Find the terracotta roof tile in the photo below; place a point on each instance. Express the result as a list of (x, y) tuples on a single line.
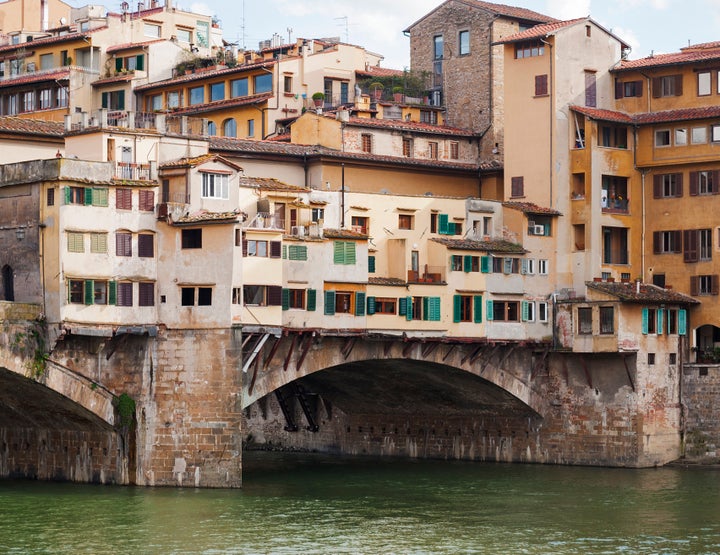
[(54, 75), (692, 54), (11, 124), (603, 115), (682, 114), (375, 71), (374, 280), (343, 234), (224, 104), (49, 40), (539, 31), (204, 75), (493, 245), (531, 208), (402, 125), (627, 292), (120, 78), (203, 216), (270, 184), (196, 161), (132, 45)]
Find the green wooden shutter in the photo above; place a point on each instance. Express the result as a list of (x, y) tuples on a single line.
[(485, 264), (67, 191), (457, 307), (338, 252), (311, 300), (285, 252), (371, 305), (371, 264), (524, 310), (644, 325), (467, 263), (285, 299), (350, 253), (477, 309), (121, 100), (660, 314), (402, 306), (88, 196), (443, 224), (489, 311), (523, 266), (140, 62), (329, 303), (89, 291), (112, 292), (104, 100), (434, 308), (426, 308), (409, 312), (359, 303), (682, 322)]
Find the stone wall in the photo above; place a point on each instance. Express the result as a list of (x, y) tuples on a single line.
[(700, 392)]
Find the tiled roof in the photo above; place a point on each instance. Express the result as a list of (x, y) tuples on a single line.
[(120, 78), (204, 216), (493, 245), (57, 75), (706, 52), (343, 234), (666, 116), (47, 40), (224, 104), (270, 184), (512, 12), (386, 281), (532, 208), (402, 125), (257, 147), (197, 160), (627, 292), (203, 75), (132, 45), (10, 124), (285, 137), (375, 71), (540, 31)]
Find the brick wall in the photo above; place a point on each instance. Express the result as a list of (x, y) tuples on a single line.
[(700, 391)]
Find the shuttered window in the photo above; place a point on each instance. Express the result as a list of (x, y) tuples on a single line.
[(146, 245), (541, 85), (98, 242), (146, 294), (75, 242), (123, 244), (124, 293), (123, 199), (297, 252), (146, 200), (344, 252)]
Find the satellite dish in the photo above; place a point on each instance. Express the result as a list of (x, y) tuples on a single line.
[(63, 21)]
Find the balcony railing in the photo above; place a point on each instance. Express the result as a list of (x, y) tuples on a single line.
[(616, 206), (264, 220), (429, 274), (135, 172)]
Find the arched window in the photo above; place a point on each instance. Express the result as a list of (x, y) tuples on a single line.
[(212, 128), (8, 285), (230, 128)]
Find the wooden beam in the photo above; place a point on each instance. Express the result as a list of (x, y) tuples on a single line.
[(627, 369), (271, 355), (449, 351), (289, 354), (587, 372), (489, 358), (347, 349), (540, 363), (256, 366), (429, 348), (407, 348), (305, 350), (468, 357), (387, 347)]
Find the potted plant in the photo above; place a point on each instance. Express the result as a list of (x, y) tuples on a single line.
[(377, 89), (318, 99), (397, 93)]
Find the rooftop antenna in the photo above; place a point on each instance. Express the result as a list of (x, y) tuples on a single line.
[(347, 30), (242, 25), (289, 32)]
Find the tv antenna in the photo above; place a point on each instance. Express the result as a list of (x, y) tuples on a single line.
[(347, 30)]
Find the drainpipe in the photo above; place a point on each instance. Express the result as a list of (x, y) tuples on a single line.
[(342, 196), (551, 89), (643, 173)]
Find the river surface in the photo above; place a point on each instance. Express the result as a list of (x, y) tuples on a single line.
[(313, 504)]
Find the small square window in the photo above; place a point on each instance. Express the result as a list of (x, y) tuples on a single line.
[(651, 359)]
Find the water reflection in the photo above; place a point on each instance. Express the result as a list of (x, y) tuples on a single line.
[(313, 504)]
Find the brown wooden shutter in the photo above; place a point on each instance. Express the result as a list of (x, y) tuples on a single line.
[(656, 87), (656, 242), (715, 284), (690, 247), (274, 295), (694, 286), (679, 182), (517, 186), (715, 182), (677, 241), (638, 88), (619, 86), (275, 249), (541, 85), (657, 186), (678, 85), (244, 247), (693, 184), (590, 89)]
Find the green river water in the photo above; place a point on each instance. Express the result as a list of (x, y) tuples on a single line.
[(313, 504)]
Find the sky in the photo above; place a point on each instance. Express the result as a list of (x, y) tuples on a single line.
[(648, 26)]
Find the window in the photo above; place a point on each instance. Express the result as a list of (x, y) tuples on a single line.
[(154, 103), (113, 100), (672, 359), (98, 243), (541, 85), (454, 150), (405, 221), (212, 129), (614, 194), (217, 91), (517, 186), (214, 185), (46, 61), (667, 185), (542, 311), (698, 135), (76, 291), (262, 83), (191, 239), (383, 305), (542, 266), (668, 85), (464, 43), (705, 240), (123, 243), (344, 252), (527, 266), (651, 359), (295, 298), (123, 199), (124, 293), (662, 137), (467, 308), (437, 47), (45, 99), (672, 321), (615, 245), (202, 296), (251, 128), (317, 214), (504, 311), (433, 150), (529, 49), (184, 35), (704, 183), (360, 224), (665, 242), (287, 84), (146, 294), (704, 79), (146, 201), (296, 252), (681, 136), (367, 145), (704, 285), (173, 100), (256, 248), (407, 147), (456, 263), (75, 242), (151, 30), (613, 136), (28, 101), (527, 309), (146, 245), (584, 321), (100, 292), (230, 128), (197, 95), (590, 89), (607, 320), (239, 87)]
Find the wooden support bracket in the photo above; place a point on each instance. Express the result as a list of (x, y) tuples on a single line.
[(387, 347), (256, 366), (305, 350), (539, 364), (429, 348), (408, 347), (271, 355), (347, 349), (587, 372), (627, 369), (289, 353), (449, 351)]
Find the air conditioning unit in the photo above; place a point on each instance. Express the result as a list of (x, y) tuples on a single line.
[(298, 230), (538, 230)]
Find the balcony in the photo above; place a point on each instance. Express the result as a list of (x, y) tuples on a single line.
[(616, 206), (264, 220), (430, 274), (133, 172)]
